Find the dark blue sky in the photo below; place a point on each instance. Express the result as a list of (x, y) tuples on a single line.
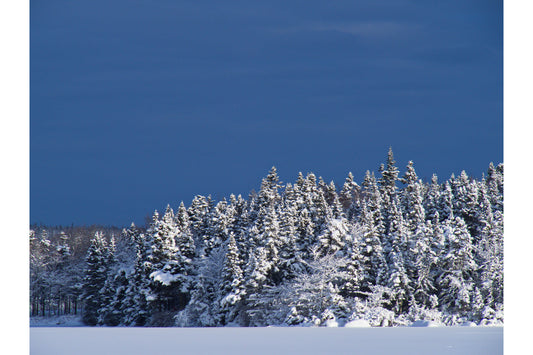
[(136, 104)]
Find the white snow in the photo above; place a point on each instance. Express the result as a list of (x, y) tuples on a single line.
[(331, 323), (59, 321), (357, 323), (166, 278), (272, 340)]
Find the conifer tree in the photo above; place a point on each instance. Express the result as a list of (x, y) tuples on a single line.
[(268, 194), (349, 193), (431, 200), (232, 283), (135, 304), (306, 238), (334, 236), (198, 212), (374, 204), (372, 253), (182, 218), (445, 204), (95, 277), (412, 199), (389, 176), (168, 272), (423, 258), (107, 293), (396, 247), (494, 183), (116, 310), (456, 281), (290, 262)]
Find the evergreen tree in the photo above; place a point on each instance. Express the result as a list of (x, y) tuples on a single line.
[(114, 314), (269, 195), (334, 236), (349, 194), (396, 247), (232, 283), (372, 253), (445, 203), (168, 267), (306, 239), (107, 293), (412, 199), (456, 280), (423, 258), (431, 200), (135, 304), (494, 184), (387, 182), (95, 277), (197, 212), (290, 258)]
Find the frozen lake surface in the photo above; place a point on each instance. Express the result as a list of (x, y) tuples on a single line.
[(160, 341)]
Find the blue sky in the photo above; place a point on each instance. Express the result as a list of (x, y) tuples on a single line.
[(136, 104)]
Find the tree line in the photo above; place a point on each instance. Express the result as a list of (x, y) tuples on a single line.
[(391, 250)]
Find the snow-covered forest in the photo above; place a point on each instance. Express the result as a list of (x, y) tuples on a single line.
[(390, 250)]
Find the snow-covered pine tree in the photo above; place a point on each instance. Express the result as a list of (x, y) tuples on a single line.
[(374, 203), (63, 249), (336, 206), (489, 256), (374, 264), (182, 218), (431, 199), (456, 280), (465, 201), (198, 218), (387, 182), (423, 257), (445, 203), (323, 211), (232, 288), (107, 293), (95, 277), (306, 238), (334, 236), (203, 309), (396, 248), (270, 240), (412, 199), (268, 194), (168, 272), (136, 311), (239, 226), (349, 195), (494, 182), (290, 261), (351, 286), (116, 311)]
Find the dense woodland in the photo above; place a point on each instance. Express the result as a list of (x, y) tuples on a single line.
[(390, 251)]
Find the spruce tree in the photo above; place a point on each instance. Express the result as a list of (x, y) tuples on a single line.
[(349, 193), (456, 280), (232, 283), (389, 176), (412, 199), (95, 277)]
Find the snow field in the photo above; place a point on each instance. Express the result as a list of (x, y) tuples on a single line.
[(271, 340)]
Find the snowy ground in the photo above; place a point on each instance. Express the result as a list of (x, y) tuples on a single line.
[(402, 340), (60, 321)]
